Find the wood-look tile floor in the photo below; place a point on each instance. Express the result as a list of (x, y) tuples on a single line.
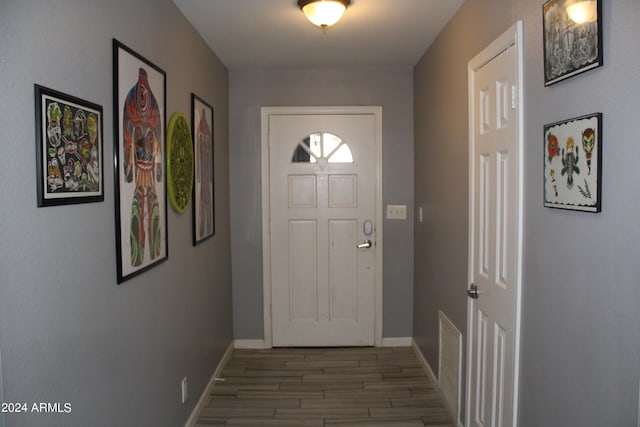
[(324, 387)]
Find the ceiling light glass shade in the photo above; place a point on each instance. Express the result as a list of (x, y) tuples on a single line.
[(323, 13), (582, 11)]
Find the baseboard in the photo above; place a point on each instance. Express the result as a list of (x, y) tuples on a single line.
[(249, 344), (397, 342), (425, 364), (193, 418), (260, 344)]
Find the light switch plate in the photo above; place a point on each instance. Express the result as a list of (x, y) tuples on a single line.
[(396, 211)]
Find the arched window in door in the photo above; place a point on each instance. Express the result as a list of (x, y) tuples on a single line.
[(322, 145)]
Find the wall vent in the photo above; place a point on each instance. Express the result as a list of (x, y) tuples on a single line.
[(450, 365)]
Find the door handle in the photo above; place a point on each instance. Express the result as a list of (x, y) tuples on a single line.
[(473, 292), (366, 244)]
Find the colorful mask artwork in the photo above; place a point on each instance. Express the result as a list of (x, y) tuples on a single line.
[(66, 121), (588, 142), (64, 141), (553, 148), (53, 128), (179, 163), (571, 164), (570, 160)]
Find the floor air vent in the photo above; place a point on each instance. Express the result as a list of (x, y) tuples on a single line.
[(450, 365)]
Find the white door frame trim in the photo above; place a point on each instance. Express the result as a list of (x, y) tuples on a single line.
[(266, 112), (514, 36)]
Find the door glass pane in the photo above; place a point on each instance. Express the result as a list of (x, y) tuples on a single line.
[(304, 152), (315, 143), (341, 155), (322, 145), (301, 155), (330, 143)]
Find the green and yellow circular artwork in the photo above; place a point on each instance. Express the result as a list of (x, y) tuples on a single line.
[(180, 163)]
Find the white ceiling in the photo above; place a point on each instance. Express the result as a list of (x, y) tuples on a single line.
[(275, 33)]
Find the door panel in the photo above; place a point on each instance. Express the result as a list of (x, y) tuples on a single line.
[(302, 191), (303, 270), (322, 181), (491, 145), (495, 243), (343, 191), (343, 276), (481, 400)]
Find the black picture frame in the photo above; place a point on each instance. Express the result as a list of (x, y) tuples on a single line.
[(140, 175), (69, 149), (570, 48), (573, 164), (203, 198)]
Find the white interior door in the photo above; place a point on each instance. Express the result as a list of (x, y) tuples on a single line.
[(322, 205), (496, 229)]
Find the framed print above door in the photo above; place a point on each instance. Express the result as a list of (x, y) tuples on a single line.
[(139, 162), (572, 38)]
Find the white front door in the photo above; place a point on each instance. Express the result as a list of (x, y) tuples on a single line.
[(322, 206), (495, 232)]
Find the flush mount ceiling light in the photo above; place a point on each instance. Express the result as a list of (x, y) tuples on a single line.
[(323, 13), (582, 11)]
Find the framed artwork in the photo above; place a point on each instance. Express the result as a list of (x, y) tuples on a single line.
[(69, 149), (572, 38), (203, 200), (573, 164), (179, 163), (139, 162)]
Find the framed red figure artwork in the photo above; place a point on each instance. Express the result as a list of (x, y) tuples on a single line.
[(139, 163), (203, 194)]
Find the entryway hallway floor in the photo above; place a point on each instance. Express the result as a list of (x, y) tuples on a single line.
[(320, 387)]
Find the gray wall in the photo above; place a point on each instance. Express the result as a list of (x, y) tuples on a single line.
[(68, 333), (580, 319), (249, 91), (441, 171)]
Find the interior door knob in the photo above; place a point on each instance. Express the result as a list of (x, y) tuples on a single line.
[(473, 291)]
